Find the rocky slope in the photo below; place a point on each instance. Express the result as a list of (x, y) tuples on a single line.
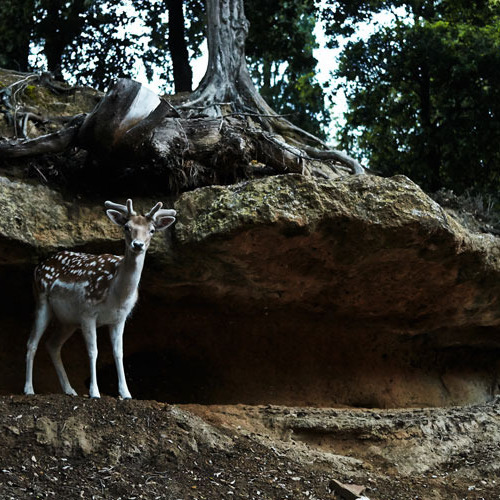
[(73, 447)]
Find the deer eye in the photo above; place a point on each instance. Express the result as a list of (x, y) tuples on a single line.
[(127, 228), (152, 230)]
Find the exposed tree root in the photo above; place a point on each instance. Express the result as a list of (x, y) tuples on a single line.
[(222, 132), (133, 125), (18, 115), (50, 143)]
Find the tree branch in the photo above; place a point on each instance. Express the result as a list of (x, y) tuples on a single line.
[(334, 154)]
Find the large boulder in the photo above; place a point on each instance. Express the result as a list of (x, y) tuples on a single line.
[(285, 290), (364, 247)]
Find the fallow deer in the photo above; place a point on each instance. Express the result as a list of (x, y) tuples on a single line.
[(87, 291)]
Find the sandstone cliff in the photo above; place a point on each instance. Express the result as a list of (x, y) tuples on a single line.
[(287, 290)]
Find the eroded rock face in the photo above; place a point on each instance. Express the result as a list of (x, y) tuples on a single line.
[(362, 247), (285, 290)]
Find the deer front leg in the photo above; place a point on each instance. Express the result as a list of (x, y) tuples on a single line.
[(116, 335), (90, 336)]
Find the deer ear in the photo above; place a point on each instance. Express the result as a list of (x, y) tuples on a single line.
[(117, 217), (163, 221)]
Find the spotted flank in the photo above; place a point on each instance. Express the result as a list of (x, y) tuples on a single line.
[(92, 272)]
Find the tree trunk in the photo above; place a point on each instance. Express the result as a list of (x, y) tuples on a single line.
[(53, 51), (17, 22), (54, 39), (433, 156), (183, 75), (59, 30), (221, 133), (226, 78)]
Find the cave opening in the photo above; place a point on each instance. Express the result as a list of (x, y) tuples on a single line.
[(193, 352)]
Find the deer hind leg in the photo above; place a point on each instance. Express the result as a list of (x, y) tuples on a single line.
[(90, 336), (54, 346), (42, 318)]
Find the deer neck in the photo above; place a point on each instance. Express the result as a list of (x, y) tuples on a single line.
[(129, 275)]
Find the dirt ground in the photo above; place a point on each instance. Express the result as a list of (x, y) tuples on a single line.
[(72, 447)]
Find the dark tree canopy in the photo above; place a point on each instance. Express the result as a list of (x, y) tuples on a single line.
[(16, 24), (97, 41), (423, 93)]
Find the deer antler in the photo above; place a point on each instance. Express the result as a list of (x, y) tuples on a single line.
[(152, 212), (155, 212), (166, 211), (127, 210), (130, 207)]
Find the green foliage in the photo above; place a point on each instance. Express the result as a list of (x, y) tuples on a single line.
[(94, 41), (16, 22), (279, 50), (424, 94), (104, 49)]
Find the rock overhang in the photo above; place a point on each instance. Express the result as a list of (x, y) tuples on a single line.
[(363, 245)]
